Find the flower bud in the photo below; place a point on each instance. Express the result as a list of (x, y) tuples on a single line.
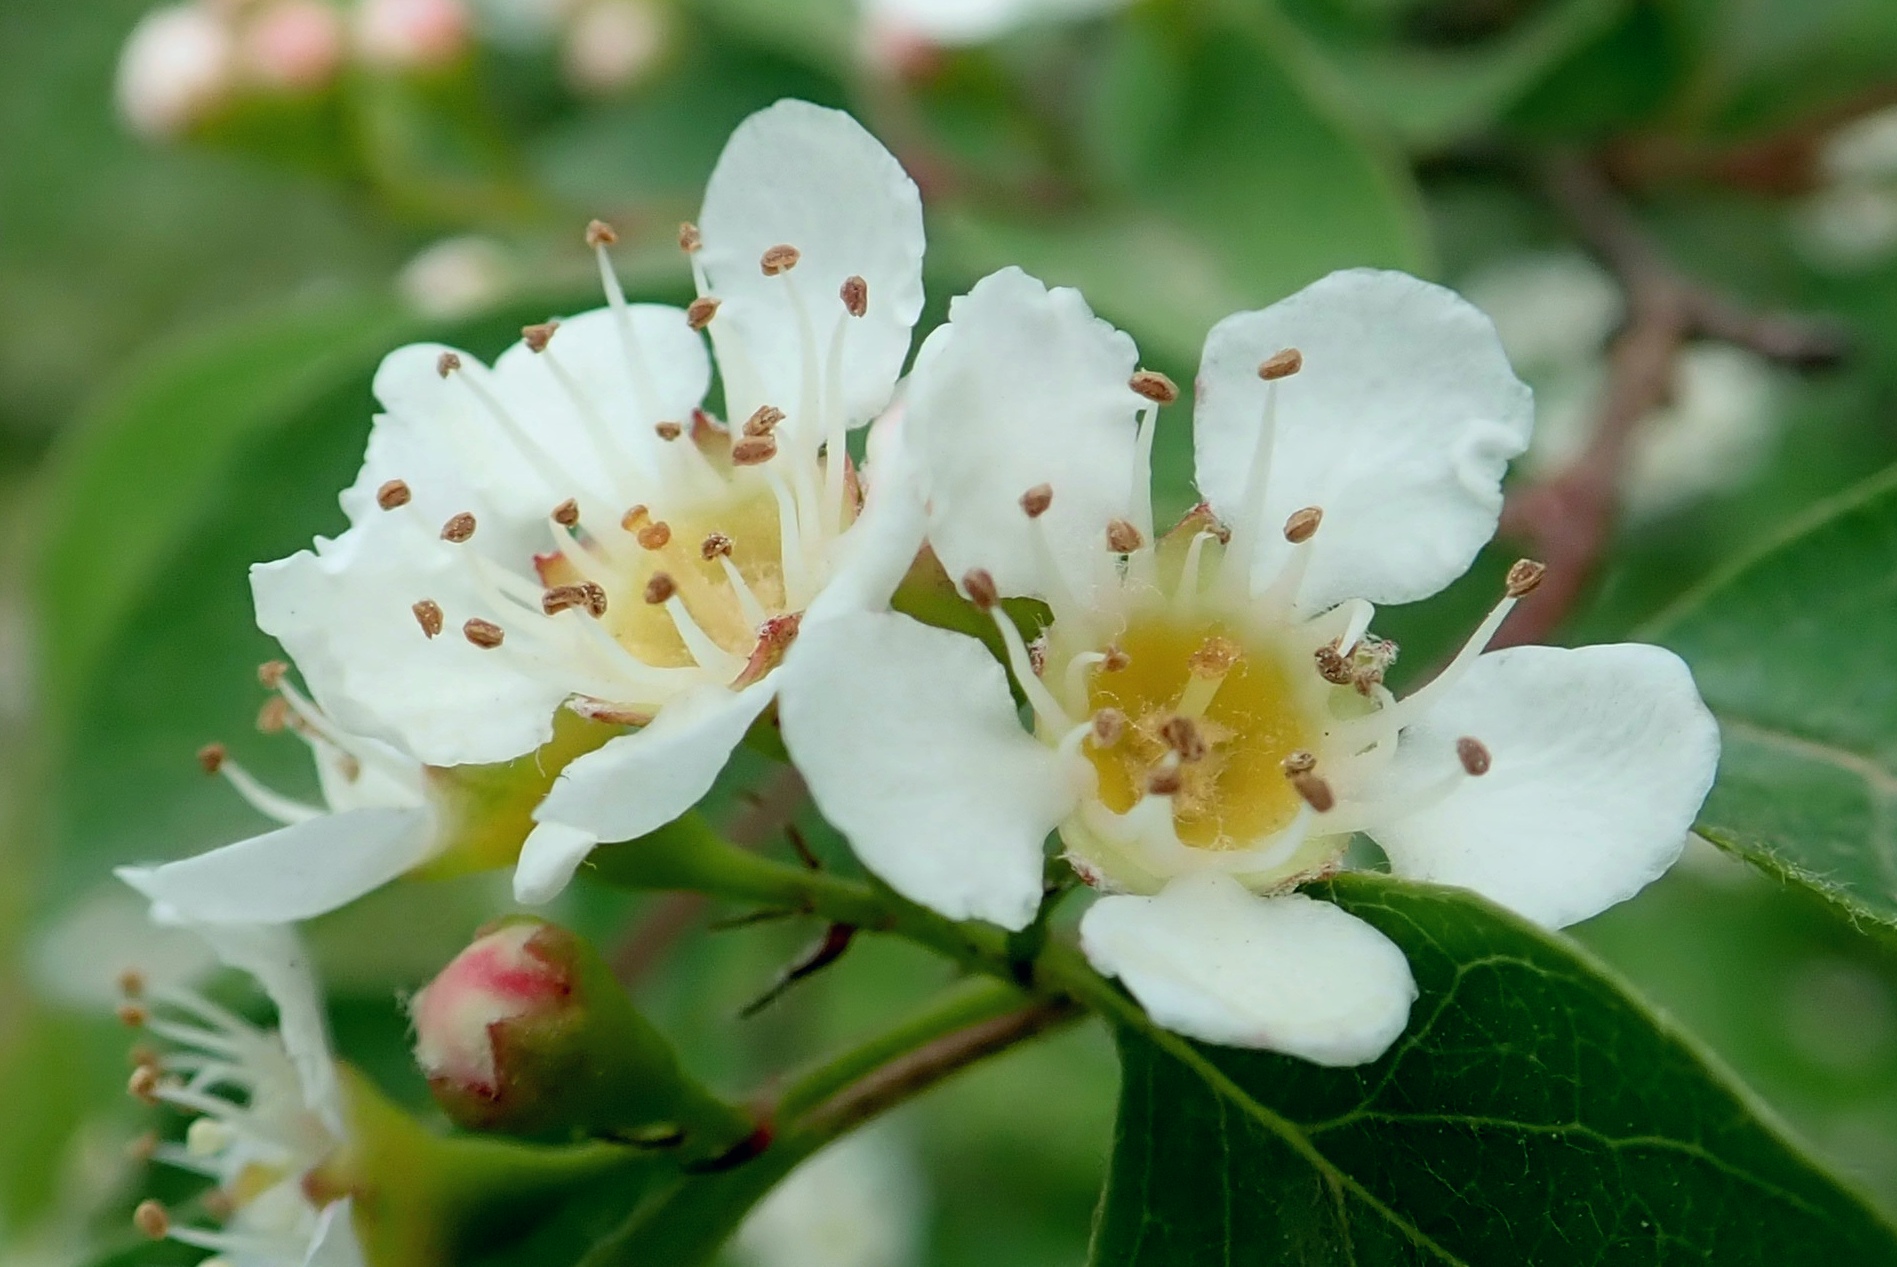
[(527, 1032), (412, 35), (294, 46), (176, 70), (613, 45)]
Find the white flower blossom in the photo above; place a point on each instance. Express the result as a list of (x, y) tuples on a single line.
[(569, 528), (268, 1106), (1210, 726), (858, 1203), (177, 69), (959, 22)]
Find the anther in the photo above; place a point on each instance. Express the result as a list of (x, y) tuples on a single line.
[(779, 259), (567, 513), (1155, 386), (143, 1148), (1315, 791), (1523, 577), (1123, 537), (1333, 665), (1474, 755), (1036, 500), (273, 716), (1302, 525), (1115, 660), (392, 494), (669, 430), (458, 528), (537, 337), (1165, 781), (484, 634), (599, 233), (428, 616), (753, 450), (447, 363), (655, 536), (133, 1015), (633, 518), (700, 312), (563, 598), (132, 983), (1109, 725), (143, 1084), (855, 296), (151, 1219), (1281, 365), (1214, 657), (764, 421), (979, 585), (1301, 761), (717, 545), (689, 239), (271, 673), (660, 588), (211, 757), (1183, 737)]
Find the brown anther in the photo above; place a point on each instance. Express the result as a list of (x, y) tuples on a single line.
[(1036, 500), (779, 259), (1302, 525), (1523, 577), (447, 363), (764, 421), (271, 673), (563, 598), (132, 983), (595, 598), (655, 536), (855, 296), (458, 528), (1215, 657), (979, 585), (484, 634), (1182, 736), (151, 1219), (1474, 755), (219, 1204), (1281, 365), (1123, 537), (689, 238), (1299, 762), (211, 757), (567, 513), (660, 588), (717, 545), (428, 616), (1109, 725), (1315, 791), (1333, 665), (142, 1148), (753, 450), (633, 518), (599, 233), (537, 337), (699, 314), (1155, 386), (143, 1084), (273, 716), (669, 430), (1115, 660), (392, 494), (133, 1015), (1165, 781)]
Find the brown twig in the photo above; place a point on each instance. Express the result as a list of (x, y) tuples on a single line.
[(1569, 517)]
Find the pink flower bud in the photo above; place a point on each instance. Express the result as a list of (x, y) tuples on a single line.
[(294, 45), (176, 70), (412, 34), (614, 44), (461, 1016)]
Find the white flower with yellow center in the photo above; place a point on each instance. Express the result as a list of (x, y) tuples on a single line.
[(1209, 722), (568, 528), (268, 1107)]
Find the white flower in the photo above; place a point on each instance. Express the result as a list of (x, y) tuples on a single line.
[(957, 22), (409, 35), (1210, 725), (456, 276), (176, 69), (858, 1203), (613, 45), (268, 1104), (1849, 223), (567, 528)]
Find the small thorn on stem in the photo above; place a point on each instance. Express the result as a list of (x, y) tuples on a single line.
[(801, 846), (836, 940)]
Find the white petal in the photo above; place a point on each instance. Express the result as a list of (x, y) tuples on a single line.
[(637, 783), (1210, 960), (1399, 427), (294, 873), (1600, 757), (959, 22), (909, 739), (1023, 387), (335, 1243), (345, 614), (803, 176)]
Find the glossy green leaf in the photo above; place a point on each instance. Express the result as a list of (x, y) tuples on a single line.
[(1795, 649), (1533, 1112)]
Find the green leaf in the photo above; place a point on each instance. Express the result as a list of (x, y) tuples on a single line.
[(1795, 650), (1533, 1112)]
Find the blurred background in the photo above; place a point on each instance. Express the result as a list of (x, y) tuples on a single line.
[(216, 216)]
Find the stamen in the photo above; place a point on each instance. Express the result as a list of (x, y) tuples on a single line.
[(392, 494), (1281, 365), (1474, 756), (1524, 577), (152, 1219), (484, 634), (132, 1016), (979, 585), (1186, 596), (716, 545), (587, 596), (1040, 699), (1154, 386), (1236, 568), (748, 605), (709, 655), (1167, 779), (1115, 660), (536, 337), (1075, 679), (660, 588), (1109, 727), (271, 673), (702, 309), (567, 513), (429, 616), (753, 451), (1123, 537), (764, 421), (1315, 791), (668, 431), (212, 756), (459, 528), (131, 983), (654, 536), (689, 238), (855, 296), (1182, 735), (1036, 500), (1302, 525), (1332, 665), (599, 233), (1210, 663), (447, 363), (143, 1084), (779, 259), (636, 364)]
